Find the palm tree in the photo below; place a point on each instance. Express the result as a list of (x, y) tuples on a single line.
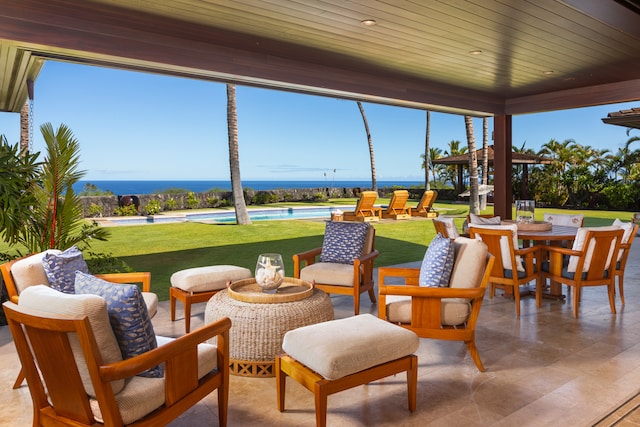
[(451, 171), (242, 216), (473, 167), (427, 162), (485, 160), (374, 184)]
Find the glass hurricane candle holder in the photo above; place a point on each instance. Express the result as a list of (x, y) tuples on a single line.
[(525, 210), (269, 272)]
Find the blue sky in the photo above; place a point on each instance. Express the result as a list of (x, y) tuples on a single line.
[(138, 126)]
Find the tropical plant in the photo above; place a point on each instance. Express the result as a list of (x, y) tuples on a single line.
[(192, 200), (242, 216), (57, 219), (18, 174), (450, 173)]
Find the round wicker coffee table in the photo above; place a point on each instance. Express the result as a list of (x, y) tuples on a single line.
[(257, 329)]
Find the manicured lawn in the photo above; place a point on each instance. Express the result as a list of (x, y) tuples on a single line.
[(166, 248)]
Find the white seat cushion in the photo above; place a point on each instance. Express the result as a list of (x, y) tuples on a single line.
[(141, 395), (342, 347), (211, 278), (330, 273), (453, 312)]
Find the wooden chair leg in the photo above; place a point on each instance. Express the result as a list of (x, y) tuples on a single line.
[(516, 297), (356, 303), (172, 305), (281, 384), (19, 379), (621, 288), (412, 384), (473, 351), (320, 394), (612, 297), (372, 296)]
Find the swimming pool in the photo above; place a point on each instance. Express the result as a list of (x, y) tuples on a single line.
[(225, 217), (267, 214)]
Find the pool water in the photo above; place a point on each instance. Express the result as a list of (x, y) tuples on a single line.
[(267, 214), (225, 217)]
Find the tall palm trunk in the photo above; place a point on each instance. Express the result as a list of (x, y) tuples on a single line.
[(427, 156), (485, 160), (242, 216), (473, 167), (374, 184)]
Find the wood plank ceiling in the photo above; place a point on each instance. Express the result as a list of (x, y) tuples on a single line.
[(481, 57)]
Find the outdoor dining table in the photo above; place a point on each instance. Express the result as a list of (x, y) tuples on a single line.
[(555, 236)]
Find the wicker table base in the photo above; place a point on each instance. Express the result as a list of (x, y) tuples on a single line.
[(257, 330)]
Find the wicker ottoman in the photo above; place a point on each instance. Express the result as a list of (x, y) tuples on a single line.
[(199, 284), (345, 353), (257, 329)]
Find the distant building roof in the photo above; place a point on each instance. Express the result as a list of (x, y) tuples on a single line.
[(516, 159), (627, 118)]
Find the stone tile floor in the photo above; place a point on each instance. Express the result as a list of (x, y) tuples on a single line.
[(544, 369)]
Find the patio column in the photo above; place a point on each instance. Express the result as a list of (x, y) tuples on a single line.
[(502, 172)]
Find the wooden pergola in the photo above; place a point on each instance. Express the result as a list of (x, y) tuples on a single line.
[(517, 158), (480, 58)]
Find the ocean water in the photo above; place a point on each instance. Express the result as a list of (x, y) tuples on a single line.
[(154, 187)]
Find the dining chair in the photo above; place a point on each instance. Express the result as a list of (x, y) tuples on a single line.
[(590, 262), (445, 226), (514, 267)]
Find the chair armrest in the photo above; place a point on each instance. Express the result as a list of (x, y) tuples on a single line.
[(410, 275), (180, 349), (427, 292), (304, 259), (143, 277)]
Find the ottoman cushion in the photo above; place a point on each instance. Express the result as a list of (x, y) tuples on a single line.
[(342, 347), (202, 279)]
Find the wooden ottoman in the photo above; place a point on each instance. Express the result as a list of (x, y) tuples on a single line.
[(199, 284), (340, 354)]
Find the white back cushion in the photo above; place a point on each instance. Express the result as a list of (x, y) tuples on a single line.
[(477, 219), (628, 229), (30, 271), (564, 219), (579, 243), (44, 301), (504, 244), (451, 226)]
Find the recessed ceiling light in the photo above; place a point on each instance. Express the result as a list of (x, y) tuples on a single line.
[(368, 22), (548, 72), (475, 52)]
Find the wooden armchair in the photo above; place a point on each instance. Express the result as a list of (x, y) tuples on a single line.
[(591, 262), (365, 210), (439, 313), (73, 380), (29, 271), (425, 205), (398, 208), (502, 241), (446, 227), (343, 278)]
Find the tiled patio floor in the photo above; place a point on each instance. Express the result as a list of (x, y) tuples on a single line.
[(544, 369)]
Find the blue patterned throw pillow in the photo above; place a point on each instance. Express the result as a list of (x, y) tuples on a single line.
[(61, 269), (437, 263), (343, 241), (128, 316)]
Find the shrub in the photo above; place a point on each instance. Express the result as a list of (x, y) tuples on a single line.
[(129, 210), (212, 202), (264, 197), (153, 207), (94, 210), (171, 204), (192, 200), (100, 263)]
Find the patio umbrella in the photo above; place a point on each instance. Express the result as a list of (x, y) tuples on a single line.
[(482, 190)]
